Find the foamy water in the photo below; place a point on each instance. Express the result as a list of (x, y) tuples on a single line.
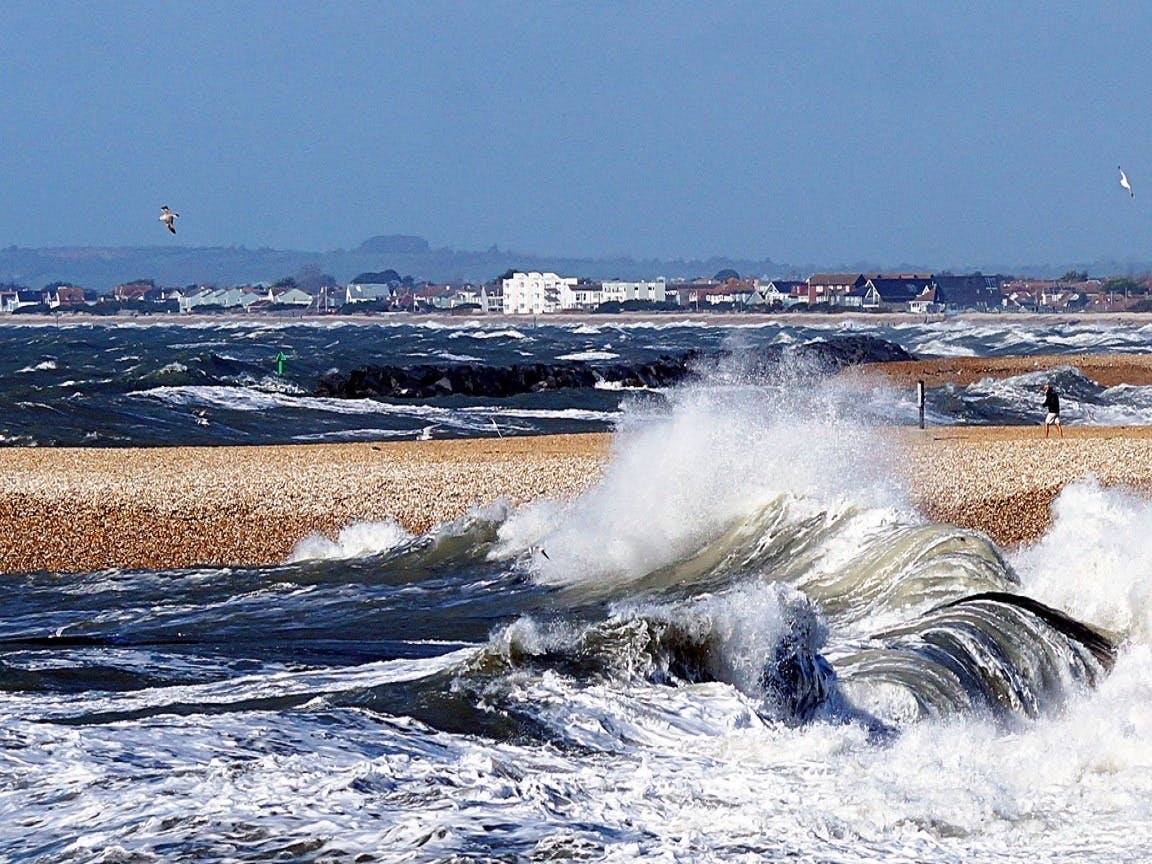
[(741, 645), (166, 383)]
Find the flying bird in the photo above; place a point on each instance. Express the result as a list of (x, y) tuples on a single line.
[(168, 218), (1124, 181)]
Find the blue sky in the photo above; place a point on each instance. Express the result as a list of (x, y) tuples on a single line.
[(944, 134)]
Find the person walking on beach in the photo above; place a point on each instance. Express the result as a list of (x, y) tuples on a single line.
[(1052, 406)]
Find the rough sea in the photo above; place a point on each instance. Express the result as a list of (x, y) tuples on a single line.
[(742, 644)]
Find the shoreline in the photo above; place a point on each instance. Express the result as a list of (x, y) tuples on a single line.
[(87, 509), (687, 317), (1002, 480), (79, 510), (1107, 370)]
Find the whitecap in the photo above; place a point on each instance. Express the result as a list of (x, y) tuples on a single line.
[(42, 366), (358, 540), (589, 355)]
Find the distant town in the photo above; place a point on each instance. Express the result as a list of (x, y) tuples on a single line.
[(541, 293)]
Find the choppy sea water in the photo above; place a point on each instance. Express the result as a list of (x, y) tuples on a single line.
[(743, 644), (156, 384)]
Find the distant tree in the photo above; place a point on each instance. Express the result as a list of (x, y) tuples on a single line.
[(1074, 276), (106, 306), (387, 277), (286, 282), (647, 306), (394, 244), (725, 275), (311, 278)]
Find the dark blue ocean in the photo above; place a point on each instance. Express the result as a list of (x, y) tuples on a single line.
[(742, 643)]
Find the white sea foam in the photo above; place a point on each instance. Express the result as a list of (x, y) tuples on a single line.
[(680, 774), (1095, 561), (504, 333), (354, 541), (366, 434), (589, 355), (458, 358), (42, 366), (674, 483), (691, 773), (237, 398), (943, 347), (541, 413)]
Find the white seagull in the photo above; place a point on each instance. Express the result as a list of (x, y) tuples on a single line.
[(168, 218), (1124, 181)]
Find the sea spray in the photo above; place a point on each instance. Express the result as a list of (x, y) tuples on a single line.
[(1095, 560), (465, 540), (723, 449), (255, 715), (761, 638), (354, 541)]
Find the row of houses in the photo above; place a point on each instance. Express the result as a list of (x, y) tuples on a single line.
[(536, 293), (196, 298), (917, 293), (540, 293), (52, 297)]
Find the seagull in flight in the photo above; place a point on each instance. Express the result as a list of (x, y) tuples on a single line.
[(168, 218), (1124, 181)]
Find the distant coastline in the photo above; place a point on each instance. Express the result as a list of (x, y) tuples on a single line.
[(102, 267), (704, 318)]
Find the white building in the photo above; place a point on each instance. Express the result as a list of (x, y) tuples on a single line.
[(225, 298), (538, 293), (782, 292), (623, 291), (291, 297), (479, 295), (493, 298), (367, 292), (587, 296), (7, 301)]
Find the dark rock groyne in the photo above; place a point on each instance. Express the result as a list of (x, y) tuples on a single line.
[(425, 381)]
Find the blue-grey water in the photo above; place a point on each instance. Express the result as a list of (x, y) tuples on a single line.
[(77, 384), (741, 644)]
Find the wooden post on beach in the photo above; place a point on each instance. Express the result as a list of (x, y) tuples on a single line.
[(920, 400)]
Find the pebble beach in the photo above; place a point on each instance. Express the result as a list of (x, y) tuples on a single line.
[(76, 509), (72, 509), (83, 509)]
